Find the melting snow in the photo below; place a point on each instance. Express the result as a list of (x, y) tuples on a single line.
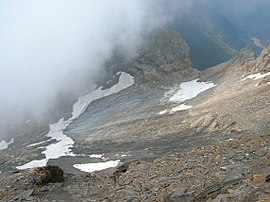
[(91, 167), (37, 143), (122, 155), (256, 76), (190, 90), (33, 164), (4, 144), (163, 112), (186, 91), (63, 144), (79, 107), (96, 156), (180, 108)]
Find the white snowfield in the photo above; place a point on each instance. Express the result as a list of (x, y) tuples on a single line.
[(96, 156), (38, 143), (4, 144), (163, 112), (190, 89), (79, 107), (256, 76), (91, 167), (181, 107), (186, 91), (63, 144)]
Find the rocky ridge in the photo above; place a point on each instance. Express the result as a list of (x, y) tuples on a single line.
[(164, 53)]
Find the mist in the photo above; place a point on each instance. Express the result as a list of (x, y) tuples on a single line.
[(59, 46)]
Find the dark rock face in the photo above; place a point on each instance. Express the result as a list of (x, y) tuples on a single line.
[(22, 185), (267, 173), (165, 52), (48, 174)]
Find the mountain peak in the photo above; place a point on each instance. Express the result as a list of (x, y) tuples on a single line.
[(164, 52), (245, 54), (265, 54)]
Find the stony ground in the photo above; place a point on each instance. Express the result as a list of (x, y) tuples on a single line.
[(236, 169)]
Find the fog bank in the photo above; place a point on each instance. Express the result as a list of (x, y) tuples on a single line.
[(54, 46)]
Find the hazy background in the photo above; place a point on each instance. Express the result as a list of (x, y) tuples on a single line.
[(251, 16), (53, 48)]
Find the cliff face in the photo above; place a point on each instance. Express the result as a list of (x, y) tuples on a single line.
[(164, 53)]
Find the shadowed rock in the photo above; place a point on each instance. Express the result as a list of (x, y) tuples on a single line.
[(48, 174)]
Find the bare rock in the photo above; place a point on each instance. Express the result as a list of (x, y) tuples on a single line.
[(48, 174), (267, 173)]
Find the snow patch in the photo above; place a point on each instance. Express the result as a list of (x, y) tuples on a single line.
[(33, 164), (37, 143), (190, 90), (256, 76), (79, 107), (96, 156), (4, 144), (122, 155), (181, 107), (63, 144), (91, 167), (183, 92), (163, 112)]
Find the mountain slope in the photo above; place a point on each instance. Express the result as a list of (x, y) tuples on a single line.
[(211, 37), (252, 19), (209, 129)]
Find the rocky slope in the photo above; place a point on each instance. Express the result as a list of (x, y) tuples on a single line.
[(210, 146), (236, 169)]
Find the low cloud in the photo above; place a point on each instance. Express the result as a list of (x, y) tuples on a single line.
[(59, 46), (257, 42)]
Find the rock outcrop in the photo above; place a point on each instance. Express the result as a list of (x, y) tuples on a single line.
[(245, 61), (164, 53), (263, 61), (239, 102)]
